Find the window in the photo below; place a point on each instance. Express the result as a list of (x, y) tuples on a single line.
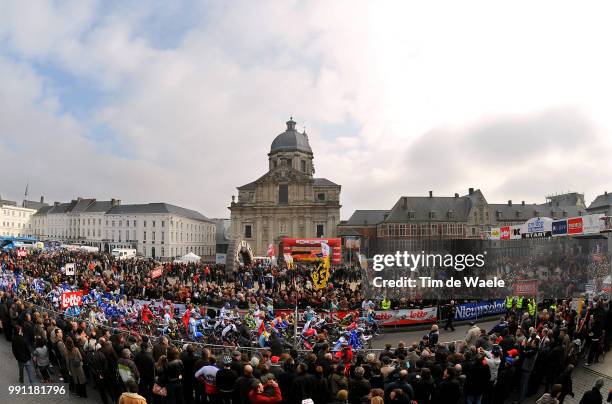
[(432, 214), (451, 214), (153, 236), (134, 223), (247, 231), (153, 223), (163, 223), (303, 166), (144, 236), (145, 223), (162, 235), (411, 214), (321, 196), (283, 193), (320, 230)]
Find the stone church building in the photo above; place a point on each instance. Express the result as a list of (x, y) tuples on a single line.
[(287, 201)]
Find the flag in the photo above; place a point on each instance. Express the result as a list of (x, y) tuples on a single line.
[(320, 275), (262, 327), (186, 317)]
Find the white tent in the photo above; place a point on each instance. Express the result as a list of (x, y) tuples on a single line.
[(190, 257)]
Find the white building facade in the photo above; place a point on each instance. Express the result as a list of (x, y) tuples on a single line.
[(15, 220), (157, 230)]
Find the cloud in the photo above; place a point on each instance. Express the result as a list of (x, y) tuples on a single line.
[(182, 100)]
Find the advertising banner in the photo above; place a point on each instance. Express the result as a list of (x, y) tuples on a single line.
[(515, 232), (22, 252), (574, 225), (495, 233), (537, 227), (69, 269), (592, 224), (220, 258), (71, 299), (504, 233), (309, 249), (559, 228), (157, 272), (526, 288), (407, 316), (468, 311)]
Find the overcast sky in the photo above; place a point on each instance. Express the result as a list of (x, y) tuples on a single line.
[(178, 102)]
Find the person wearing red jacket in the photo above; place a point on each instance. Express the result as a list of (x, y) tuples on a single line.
[(257, 395)]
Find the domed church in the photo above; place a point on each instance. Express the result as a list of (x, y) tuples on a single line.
[(287, 201)]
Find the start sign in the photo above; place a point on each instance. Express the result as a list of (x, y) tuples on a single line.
[(71, 299)]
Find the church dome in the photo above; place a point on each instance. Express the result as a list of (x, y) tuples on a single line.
[(291, 140)]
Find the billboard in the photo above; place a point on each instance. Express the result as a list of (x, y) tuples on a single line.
[(504, 233), (515, 232), (525, 288), (71, 299), (309, 249), (468, 311), (495, 233), (559, 228), (537, 227), (592, 224), (574, 225)]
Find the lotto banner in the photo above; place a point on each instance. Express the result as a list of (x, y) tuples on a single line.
[(407, 316), (71, 299), (504, 233), (386, 318)]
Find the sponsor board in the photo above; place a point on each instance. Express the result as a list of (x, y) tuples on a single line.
[(220, 258), (574, 225), (504, 233), (495, 233), (592, 224), (559, 228), (515, 232), (525, 288), (71, 299), (468, 311), (157, 272), (69, 269)]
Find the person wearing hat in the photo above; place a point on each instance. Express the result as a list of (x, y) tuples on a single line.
[(127, 368), (237, 364), (226, 379), (275, 367)]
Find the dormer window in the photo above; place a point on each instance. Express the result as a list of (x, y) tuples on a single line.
[(321, 196), (450, 214), (498, 214), (411, 214), (432, 214)]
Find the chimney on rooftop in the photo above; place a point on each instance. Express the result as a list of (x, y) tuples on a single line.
[(405, 201), (431, 194), (42, 199), (523, 203), (456, 195), (510, 202), (471, 191)]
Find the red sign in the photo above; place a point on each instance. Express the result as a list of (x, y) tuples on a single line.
[(71, 299), (157, 272), (22, 253), (574, 225), (526, 288), (504, 233), (307, 249)]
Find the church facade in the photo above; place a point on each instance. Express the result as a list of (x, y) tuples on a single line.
[(287, 201)]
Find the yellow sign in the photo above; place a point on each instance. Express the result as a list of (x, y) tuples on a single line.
[(320, 275)]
